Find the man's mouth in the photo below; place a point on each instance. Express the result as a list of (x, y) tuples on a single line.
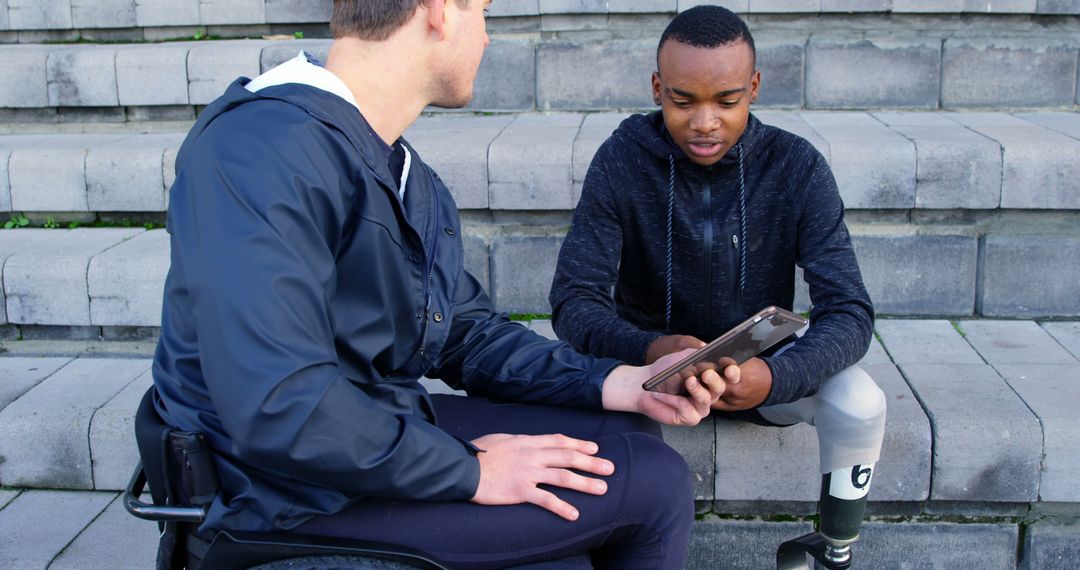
[(704, 148)]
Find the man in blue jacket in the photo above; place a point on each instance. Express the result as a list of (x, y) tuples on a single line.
[(317, 275), (696, 216)]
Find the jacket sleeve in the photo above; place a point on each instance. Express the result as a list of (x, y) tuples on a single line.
[(842, 317), (583, 310), (255, 228)]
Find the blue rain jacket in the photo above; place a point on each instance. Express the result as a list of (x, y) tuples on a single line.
[(305, 300)]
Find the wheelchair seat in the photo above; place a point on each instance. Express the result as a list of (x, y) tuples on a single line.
[(182, 484)]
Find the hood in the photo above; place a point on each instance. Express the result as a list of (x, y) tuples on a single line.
[(651, 134)]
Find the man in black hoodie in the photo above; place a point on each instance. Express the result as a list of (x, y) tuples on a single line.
[(695, 217)]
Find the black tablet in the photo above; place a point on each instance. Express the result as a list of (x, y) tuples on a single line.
[(749, 338)]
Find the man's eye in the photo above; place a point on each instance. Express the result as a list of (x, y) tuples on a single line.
[(729, 103), (679, 103)]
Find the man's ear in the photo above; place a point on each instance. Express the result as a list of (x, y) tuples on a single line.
[(436, 16), (656, 87), (755, 84)]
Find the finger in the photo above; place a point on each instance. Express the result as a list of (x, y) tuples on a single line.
[(699, 393), (571, 459), (733, 373), (548, 500), (560, 441), (682, 412), (714, 382), (569, 480)]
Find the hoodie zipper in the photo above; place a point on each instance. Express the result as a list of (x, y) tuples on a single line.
[(706, 198), (733, 271)]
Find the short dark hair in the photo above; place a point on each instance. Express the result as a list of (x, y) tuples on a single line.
[(373, 20), (707, 27)]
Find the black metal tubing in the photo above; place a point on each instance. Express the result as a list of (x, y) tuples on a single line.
[(791, 555), (152, 512)]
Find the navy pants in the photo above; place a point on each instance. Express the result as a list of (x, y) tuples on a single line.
[(643, 521)]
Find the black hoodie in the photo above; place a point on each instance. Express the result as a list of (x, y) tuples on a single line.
[(694, 250)]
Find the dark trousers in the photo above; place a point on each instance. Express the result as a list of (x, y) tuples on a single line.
[(643, 521)]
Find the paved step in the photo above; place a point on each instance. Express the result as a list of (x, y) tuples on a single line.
[(839, 69), (91, 14), (968, 402)]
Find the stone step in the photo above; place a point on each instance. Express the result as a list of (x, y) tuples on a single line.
[(64, 15), (536, 161), (980, 427), (837, 69), (90, 530)]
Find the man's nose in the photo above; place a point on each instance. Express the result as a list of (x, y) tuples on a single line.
[(705, 119)]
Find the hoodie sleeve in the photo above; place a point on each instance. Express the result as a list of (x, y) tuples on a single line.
[(842, 318), (583, 310), (256, 222)]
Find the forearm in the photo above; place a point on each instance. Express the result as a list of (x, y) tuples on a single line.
[(595, 328)]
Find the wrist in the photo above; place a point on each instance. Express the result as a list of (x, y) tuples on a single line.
[(618, 393)]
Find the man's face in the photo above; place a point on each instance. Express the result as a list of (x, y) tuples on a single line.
[(705, 96), (466, 40)]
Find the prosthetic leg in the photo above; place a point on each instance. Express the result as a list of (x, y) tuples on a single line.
[(849, 414)]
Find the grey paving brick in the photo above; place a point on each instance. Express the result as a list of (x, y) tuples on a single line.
[(46, 284), (543, 328), (877, 72), (1009, 266), (290, 11), (114, 540), (573, 6), (781, 62), (644, 6), (38, 15), (15, 241), (619, 74), (456, 147), (1052, 391), (477, 258), (83, 76), (1001, 72), (514, 8), (530, 163), (937, 545), (1014, 342), (916, 274), (506, 80), (48, 172), (434, 386), (903, 472), (39, 524), (1062, 122), (212, 67), (856, 5), (784, 6), (1059, 7), (1000, 6), (738, 6), (1040, 170), (25, 73), (45, 432), (697, 445), (112, 436), (20, 374), (168, 168), (276, 53), (225, 12), (3, 15), (925, 342), (927, 6), (1066, 333), (152, 75), (987, 443), (126, 175), (103, 13), (1051, 545), (957, 168), (522, 268), (595, 129), (739, 545), (7, 496), (793, 123), (126, 282), (166, 12), (874, 165)]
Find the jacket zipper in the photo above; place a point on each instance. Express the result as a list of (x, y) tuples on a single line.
[(430, 266), (708, 237)]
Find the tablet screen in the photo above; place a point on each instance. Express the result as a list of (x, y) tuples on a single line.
[(748, 339)]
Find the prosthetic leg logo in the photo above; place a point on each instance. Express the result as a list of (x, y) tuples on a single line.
[(851, 484)]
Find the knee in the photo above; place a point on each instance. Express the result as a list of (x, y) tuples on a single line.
[(852, 398), (659, 480)]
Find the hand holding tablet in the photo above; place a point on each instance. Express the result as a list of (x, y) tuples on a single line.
[(749, 338)]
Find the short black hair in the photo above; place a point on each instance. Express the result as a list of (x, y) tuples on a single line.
[(707, 26)]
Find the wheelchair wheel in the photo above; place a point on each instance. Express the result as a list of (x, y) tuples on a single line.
[(336, 563)]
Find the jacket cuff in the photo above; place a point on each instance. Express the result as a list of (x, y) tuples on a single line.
[(637, 347), (782, 390), (598, 373)]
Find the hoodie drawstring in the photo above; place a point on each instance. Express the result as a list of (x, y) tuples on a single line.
[(742, 231)]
